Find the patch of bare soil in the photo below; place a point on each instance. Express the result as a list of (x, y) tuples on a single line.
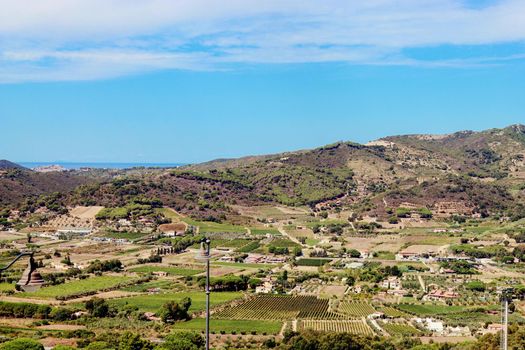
[(444, 339), (62, 327)]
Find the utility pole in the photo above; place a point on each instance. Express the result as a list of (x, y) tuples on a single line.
[(506, 296), (205, 255)]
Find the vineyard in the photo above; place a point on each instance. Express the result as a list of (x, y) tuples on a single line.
[(356, 309), (346, 326), (248, 247), (399, 329), (270, 307), (393, 312)]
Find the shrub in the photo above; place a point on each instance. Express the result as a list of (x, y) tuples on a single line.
[(97, 307), (22, 344), (172, 311)]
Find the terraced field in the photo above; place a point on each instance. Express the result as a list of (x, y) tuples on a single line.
[(270, 307), (343, 326), (356, 309)]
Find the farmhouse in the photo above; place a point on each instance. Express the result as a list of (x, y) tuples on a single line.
[(440, 294), (431, 324), (265, 288), (417, 252), (492, 328), (391, 283), (263, 259)]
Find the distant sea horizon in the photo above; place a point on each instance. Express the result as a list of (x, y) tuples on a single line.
[(100, 165)]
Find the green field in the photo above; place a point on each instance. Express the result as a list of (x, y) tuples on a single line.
[(400, 329), (91, 284), (264, 231), (283, 243), (154, 302), (311, 241), (429, 309), (393, 312), (6, 287), (385, 255), (171, 270), (356, 309), (204, 226), (143, 287), (312, 262), (229, 326), (249, 247)]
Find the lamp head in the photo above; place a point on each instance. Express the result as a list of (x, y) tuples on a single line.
[(204, 251)]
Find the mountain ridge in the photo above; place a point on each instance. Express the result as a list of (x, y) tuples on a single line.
[(483, 171)]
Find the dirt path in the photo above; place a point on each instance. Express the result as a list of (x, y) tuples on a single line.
[(283, 328), (421, 282), (293, 239)]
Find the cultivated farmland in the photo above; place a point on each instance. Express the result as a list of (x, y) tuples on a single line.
[(356, 309), (280, 308), (347, 326), (232, 326), (88, 285)]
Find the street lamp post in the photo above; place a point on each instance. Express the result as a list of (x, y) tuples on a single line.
[(506, 297), (31, 279), (205, 255)]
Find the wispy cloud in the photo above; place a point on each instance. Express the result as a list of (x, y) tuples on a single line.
[(47, 40)]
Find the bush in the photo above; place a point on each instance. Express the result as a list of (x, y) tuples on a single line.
[(172, 311), (24, 310), (61, 314), (97, 307), (477, 286), (183, 341), (99, 345), (133, 341), (22, 344), (393, 220), (103, 266)]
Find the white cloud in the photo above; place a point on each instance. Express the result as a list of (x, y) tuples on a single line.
[(43, 40)]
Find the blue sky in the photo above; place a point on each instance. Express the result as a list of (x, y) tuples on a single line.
[(187, 81)]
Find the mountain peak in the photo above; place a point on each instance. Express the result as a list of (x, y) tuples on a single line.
[(5, 164)]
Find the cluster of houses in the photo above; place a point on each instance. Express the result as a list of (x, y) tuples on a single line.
[(61, 233), (254, 259), (110, 240), (264, 259), (438, 328)]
